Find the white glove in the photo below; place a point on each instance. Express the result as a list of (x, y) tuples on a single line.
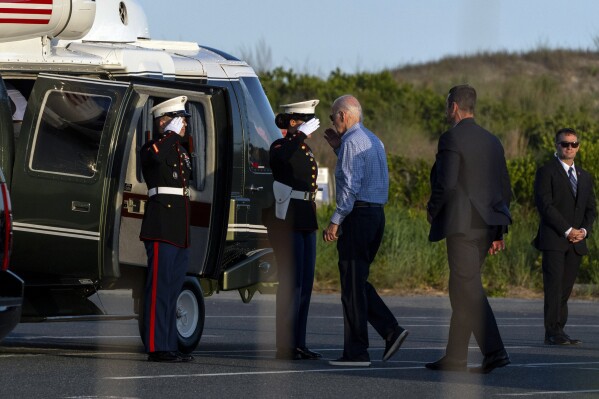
[(175, 125), (309, 127)]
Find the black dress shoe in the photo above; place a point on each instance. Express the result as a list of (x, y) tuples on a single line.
[(288, 354), (185, 357), (497, 359), (557, 340), (447, 363), (394, 342), (306, 353), (572, 340), (164, 357)]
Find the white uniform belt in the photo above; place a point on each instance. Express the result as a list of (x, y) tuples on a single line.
[(169, 190), (303, 195)]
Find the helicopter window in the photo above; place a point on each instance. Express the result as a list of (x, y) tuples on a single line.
[(260, 124), (67, 140), (198, 147)]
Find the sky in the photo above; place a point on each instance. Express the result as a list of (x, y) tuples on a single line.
[(318, 36)]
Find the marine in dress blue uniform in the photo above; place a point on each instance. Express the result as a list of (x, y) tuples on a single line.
[(294, 237), (166, 169)]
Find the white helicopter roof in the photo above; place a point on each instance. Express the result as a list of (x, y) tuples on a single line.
[(107, 36)]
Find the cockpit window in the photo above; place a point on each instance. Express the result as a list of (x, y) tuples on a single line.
[(68, 136), (260, 124)]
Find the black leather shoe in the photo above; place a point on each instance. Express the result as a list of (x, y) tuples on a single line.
[(287, 354), (394, 342), (185, 357), (557, 340), (497, 359), (164, 357), (306, 353), (447, 363), (572, 340)]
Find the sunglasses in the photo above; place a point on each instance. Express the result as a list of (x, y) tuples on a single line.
[(566, 144), (332, 116)]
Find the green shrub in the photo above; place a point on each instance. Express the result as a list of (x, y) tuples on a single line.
[(405, 108), (407, 261)]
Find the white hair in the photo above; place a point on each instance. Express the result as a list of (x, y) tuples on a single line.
[(349, 104)]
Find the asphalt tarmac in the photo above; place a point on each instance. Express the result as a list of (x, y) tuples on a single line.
[(235, 358)]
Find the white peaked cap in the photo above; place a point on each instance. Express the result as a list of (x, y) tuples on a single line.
[(304, 107), (176, 104)]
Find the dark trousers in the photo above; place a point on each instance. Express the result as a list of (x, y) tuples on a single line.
[(471, 312), (361, 235), (167, 265), (559, 274), (295, 252)]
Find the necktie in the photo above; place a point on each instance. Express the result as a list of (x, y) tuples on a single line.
[(572, 178)]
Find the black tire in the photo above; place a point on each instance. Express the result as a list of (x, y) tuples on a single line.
[(190, 315)]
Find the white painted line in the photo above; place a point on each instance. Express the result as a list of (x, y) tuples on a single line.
[(556, 364), (328, 370), (549, 393), (36, 337)]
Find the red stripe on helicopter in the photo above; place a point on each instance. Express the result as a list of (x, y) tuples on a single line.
[(24, 21), (25, 11), (23, 2), (21, 11)]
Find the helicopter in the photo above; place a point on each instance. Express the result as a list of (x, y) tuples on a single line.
[(87, 74)]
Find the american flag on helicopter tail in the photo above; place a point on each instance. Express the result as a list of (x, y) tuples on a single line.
[(28, 12)]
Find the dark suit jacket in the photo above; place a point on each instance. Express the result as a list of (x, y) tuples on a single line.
[(559, 209), (470, 185)]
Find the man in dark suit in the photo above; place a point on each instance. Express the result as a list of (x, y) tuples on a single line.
[(566, 203), (469, 207)]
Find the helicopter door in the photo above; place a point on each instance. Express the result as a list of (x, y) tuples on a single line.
[(208, 141), (61, 177), (6, 133)]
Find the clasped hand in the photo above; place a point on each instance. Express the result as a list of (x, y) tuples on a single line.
[(496, 247), (576, 235)]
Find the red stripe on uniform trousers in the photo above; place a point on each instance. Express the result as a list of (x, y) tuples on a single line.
[(153, 300)]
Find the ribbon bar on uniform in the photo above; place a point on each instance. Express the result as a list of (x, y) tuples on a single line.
[(303, 195), (169, 190)]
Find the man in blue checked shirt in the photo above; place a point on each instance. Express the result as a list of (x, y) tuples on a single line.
[(362, 187)]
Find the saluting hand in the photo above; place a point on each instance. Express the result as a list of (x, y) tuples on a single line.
[(309, 127), (331, 136), (175, 125)]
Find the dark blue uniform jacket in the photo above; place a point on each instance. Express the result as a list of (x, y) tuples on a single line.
[(293, 164), (165, 163)]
